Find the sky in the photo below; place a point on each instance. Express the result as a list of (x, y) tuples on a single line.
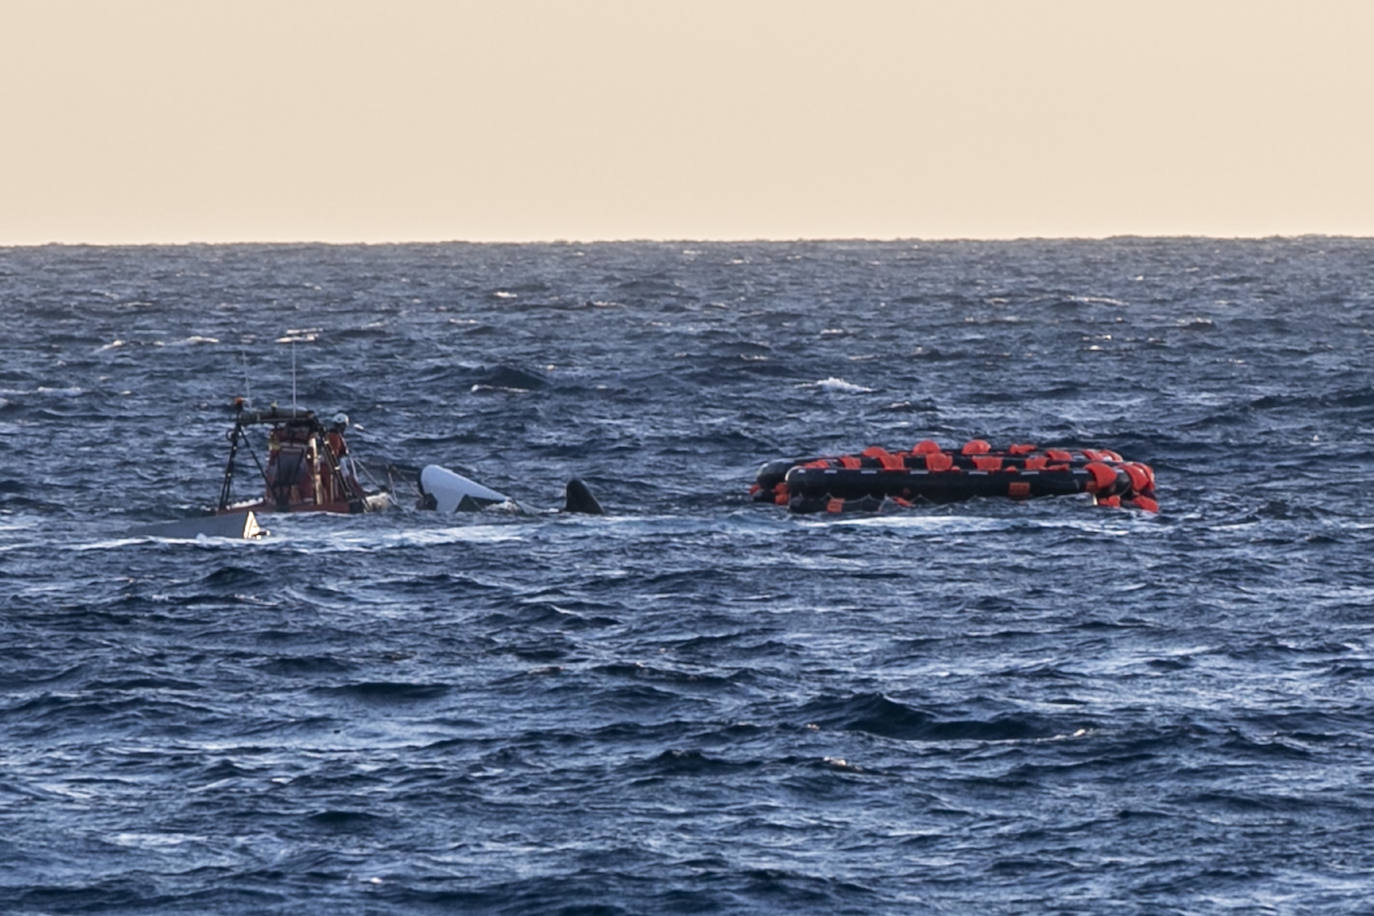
[(130, 121)]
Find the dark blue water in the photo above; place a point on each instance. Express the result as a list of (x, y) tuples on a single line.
[(696, 703)]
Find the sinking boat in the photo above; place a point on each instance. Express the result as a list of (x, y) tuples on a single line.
[(307, 467), (876, 478)]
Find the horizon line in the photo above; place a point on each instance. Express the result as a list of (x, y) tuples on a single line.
[(670, 240)]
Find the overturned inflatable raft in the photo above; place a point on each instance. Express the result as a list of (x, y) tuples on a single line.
[(876, 478)]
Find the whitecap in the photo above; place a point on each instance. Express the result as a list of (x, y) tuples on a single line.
[(479, 388), (420, 537), (112, 345), (155, 840), (838, 385)]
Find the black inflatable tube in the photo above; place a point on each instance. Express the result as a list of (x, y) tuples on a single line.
[(775, 472), (936, 486)]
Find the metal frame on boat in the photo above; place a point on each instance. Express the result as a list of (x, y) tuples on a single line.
[(304, 471)]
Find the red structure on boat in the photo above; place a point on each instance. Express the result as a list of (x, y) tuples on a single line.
[(307, 469)]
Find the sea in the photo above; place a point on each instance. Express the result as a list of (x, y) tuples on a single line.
[(694, 703)]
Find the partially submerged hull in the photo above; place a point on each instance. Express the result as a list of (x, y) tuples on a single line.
[(242, 526), (448, 491), (372, 502)]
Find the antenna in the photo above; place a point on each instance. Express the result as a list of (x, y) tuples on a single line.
[(293, 375), (247, 391)]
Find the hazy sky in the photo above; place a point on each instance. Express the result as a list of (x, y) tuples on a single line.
[(377, 120)]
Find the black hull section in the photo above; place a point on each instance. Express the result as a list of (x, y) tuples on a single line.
[(933, 486)]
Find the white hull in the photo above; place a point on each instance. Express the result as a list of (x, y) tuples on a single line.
[(453, 492)]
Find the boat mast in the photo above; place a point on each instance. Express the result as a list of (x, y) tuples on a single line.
[(228, 481)]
